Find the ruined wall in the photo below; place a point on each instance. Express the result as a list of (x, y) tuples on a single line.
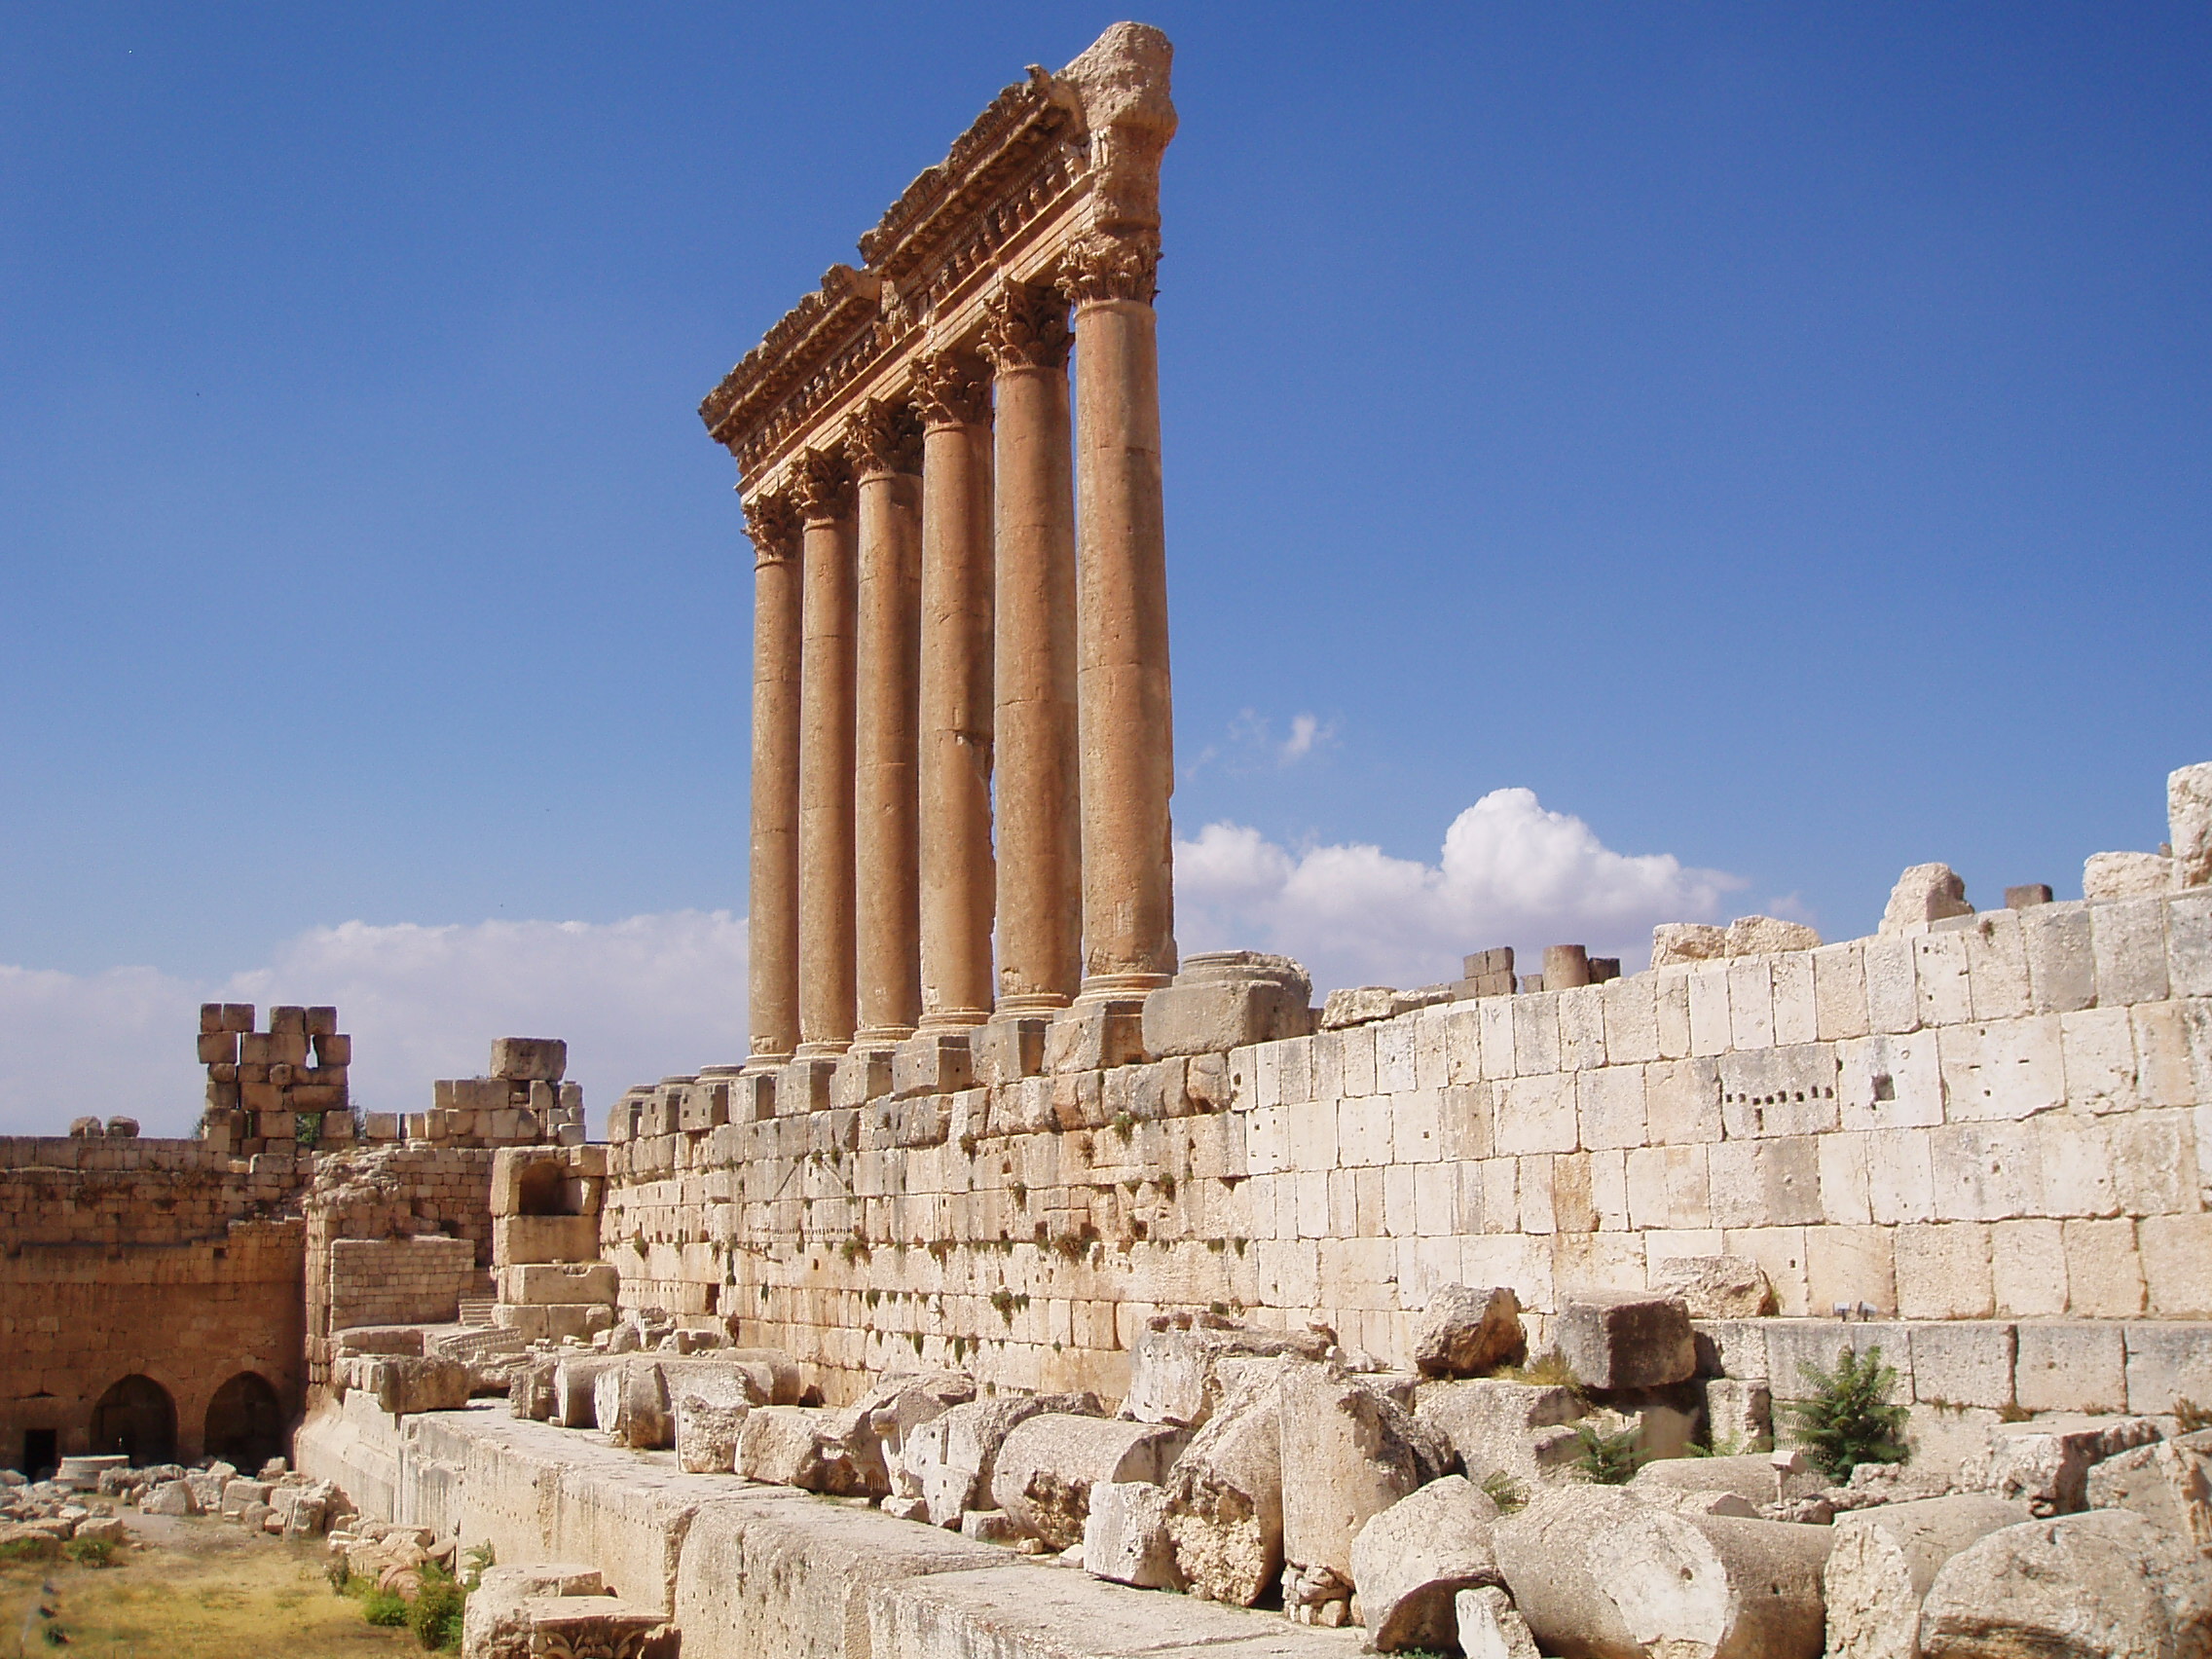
[(163, 1260), (400, 1281), (2007, 1115)]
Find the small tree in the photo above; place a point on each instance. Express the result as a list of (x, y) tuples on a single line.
[(1608, 1459), (1849, 1420)]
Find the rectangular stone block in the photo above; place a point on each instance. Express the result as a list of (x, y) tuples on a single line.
[(238, 1016), (1710, 1029), (1939, 976), (1681, 1100), (286, 1021), (1609, 1102), (2104, 1275), (2189, 945), (1943, 1272), (802, 1088), (1849, 1267), (1839, 991), (2177, 1268), (1986, 1171), (2028, 1268), (517, 1240), (1893, 992), (1997, 967), (1536, 1115), (1796, 1348), (1888, 1081), (2007, 1069), (2128, 939), (2062, 974), (2073, 1365), (1631, 1013), (2168, 1363), (1962, 1363), (1779, 1091), (530, 1059), (1007, 1049), (1770, 1183), (547, 1284)]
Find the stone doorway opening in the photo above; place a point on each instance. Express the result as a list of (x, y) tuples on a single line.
[(246, 1423), (136, 1417), (42, 1453)]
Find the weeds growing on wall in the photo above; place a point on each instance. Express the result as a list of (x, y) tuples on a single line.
[(1849, 1420), (1608, 1459), (1502, 1490)]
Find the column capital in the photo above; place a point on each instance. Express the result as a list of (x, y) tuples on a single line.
[(952, 388), (1027, 328), (825, 487), (1099, 266), (773, 522), (884, 437)]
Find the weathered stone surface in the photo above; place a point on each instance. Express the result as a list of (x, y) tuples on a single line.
[(952, 1457), (1227, 999), (1885, 1558), (1713, 1287), (1490, 1627), (1357, 1005), (403, 1384), (805, 1447), (575, 1389), (1598, 1573), (1516, 1430), (1628, 1340), (1676, 944), (601, 1626), (2046, 1462), (895, 1409), (1739, 1414), (2093, 1586), (707, 1434), (530, 1059), (630, 1404), (1125, 1536), (1174, 1362), (170, 1497), (1464, 1333), (1925, 893), (1348, 1453), (2188, 819), (2168, 1483), (1225, 1495), (1047, 1466), (1409, 1561), (1752, 1478), (2126, 875), (497, 1622), (1761, 936)]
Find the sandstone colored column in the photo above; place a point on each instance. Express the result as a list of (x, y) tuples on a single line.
[(886, 445), (1127, 719), (825, 761), (772, 923), (1040, 856), (957, 875)]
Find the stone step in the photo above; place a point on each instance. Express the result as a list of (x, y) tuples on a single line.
[(478, 1309)]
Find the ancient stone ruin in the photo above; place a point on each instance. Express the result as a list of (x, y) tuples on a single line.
[(1027, 1292)]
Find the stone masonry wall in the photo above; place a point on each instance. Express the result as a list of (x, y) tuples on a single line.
[(400, 1281), (2007, 1115)]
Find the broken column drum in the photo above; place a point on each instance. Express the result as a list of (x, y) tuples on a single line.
[(953, 653)]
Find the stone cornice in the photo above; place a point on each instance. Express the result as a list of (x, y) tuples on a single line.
[(1053, 160)]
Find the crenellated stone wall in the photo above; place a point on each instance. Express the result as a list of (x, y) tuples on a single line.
[(2000, 1115)]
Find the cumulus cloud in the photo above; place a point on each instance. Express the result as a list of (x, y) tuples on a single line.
[(1510, 872), (633, 998)]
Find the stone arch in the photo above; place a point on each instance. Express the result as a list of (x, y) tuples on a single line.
[(137, 1417), (246, 1423), (540, 1189)]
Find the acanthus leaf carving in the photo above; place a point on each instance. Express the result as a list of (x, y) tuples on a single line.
[(1100, 267), (885, 436), (1026, 327), (773, 522), (952, 388), (825, 485)]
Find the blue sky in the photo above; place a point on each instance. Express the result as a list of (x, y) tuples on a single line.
[(1777, 437)]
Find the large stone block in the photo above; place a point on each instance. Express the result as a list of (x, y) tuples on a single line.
[(807, 1446), (1173, 1361), (1884, 1559), (1227, 999), (1923, 893), (1466, 1332), (1125, 1537), (1628, 1342), (1779, 1091), (2070, 1365), (403, 1386), (1225, 1490), (1713, 1287), (2168, 1482), (1348, 1453), (2046, 1462), (2108, 1583), (517, 1240), (530, 1059), (541, 1284), (1047, 1466), (2169, 1362), (1410, 1561), (953, 1457), (1499, 1427)]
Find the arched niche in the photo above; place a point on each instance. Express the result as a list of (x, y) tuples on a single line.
[(246, 1423), (136, 1417)]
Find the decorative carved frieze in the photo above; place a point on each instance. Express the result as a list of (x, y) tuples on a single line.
[(1028, 327), (885, 436), (774, 524), (952, 388), (824, 486), (1100, 267)]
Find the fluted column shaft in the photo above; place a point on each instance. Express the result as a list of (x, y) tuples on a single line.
[(826, 781), (1040, 857), (772, 922), (959, 884), (886, 445), (1127, 721)]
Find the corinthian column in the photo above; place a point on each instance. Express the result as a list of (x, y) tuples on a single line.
[(887, 450), (826, 963), (1127, 725), (772, 922), (1033, 671), (958, 881)]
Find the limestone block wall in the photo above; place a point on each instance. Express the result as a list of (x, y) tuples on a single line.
[(400, 1281), (2000, 1115)]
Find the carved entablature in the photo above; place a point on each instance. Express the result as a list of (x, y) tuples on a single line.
[(1056, 183)]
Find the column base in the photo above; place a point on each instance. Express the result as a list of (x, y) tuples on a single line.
[(1047, 1003), (863, 1074), (803, 1086), (953, 1019), (934, 1062), (755, 1064), (1096, 987), (823, 1048), (1010, 1048), (1096, 1034)]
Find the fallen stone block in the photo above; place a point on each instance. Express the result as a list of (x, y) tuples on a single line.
[(1047, 1464), (1410, 1562), (2047, 1460), (575, 1389), (1598, 1573), (2094, 1586), (1490, 1627), (1497, 1427), (1713, 1287), (805, 1447), (1465, 1333), (991, 1526), (1884, 1559), (707, 1434), (952, 1457), (496, 1624), (1348, 1453), (1628, 1342), (1739, 1414), (1925, 893), (601, 1627), (893, 1412), (1225, 1494), (1753, 1477), (170, 1497), (777, 1375), (99, 1530), (630, 1404), (1125, 1537), (2168, 1483), (1174, 1362), (1227, 999), (403, 1386), (1357, 1005), (1678, 944)]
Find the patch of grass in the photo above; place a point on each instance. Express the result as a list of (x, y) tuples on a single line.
[(2189, 1416), (91, 1552), (1549, 1369), (1849, 1420), (383, 1609), (1125, 1126), (1502, 1490), (29, 1549), (1608, 1459)]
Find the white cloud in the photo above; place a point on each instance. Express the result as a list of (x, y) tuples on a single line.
[(634, 998), (1510, 873), (1306, 732)]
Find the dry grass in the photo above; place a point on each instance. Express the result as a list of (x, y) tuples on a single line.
[(194, 1590)]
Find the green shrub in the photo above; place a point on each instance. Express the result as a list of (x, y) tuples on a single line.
[(435, 1614), (29, 1549), (91, 1552), (384, 1607), (473, 1561), (1608, 1459), (1849, 1420)]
